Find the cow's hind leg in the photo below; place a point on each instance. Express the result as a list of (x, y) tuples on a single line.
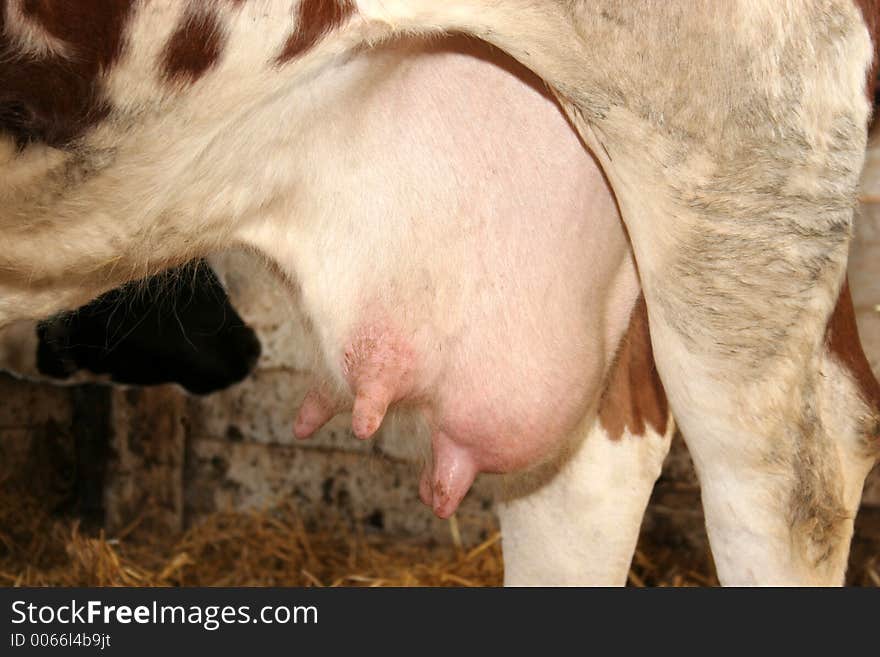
[(733, 138), (576, 521), (741, 240), (740, 214), (578, 526), (782, 458)]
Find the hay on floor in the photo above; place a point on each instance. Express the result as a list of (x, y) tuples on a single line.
[(276, 548)]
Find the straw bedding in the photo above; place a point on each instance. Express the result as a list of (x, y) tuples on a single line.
[(278, 548)]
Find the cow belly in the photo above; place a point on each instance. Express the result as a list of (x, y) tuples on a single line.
[(468, 263)]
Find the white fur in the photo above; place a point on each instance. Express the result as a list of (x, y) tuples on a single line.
[(580, 527)]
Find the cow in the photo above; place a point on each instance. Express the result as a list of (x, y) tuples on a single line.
[(175, 327), (138, 135)]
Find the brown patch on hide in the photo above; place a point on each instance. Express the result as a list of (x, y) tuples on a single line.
[(194, 47), (634, 396), (56, 99), (842, 340), (94, 28), (316, 19)]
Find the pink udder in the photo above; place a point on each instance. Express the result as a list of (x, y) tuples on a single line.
[(317, 409), (448, 478), (381, 370), (378, 369)]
